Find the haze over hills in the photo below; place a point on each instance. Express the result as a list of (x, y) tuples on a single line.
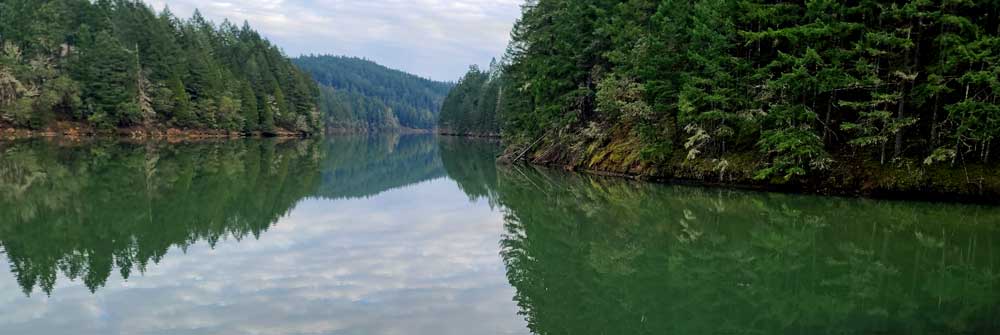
[(360, 94)]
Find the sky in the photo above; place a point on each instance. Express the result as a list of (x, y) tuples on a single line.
[(436, 39)]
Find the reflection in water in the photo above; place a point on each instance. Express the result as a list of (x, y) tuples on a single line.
[(348, 235), (366, 165), (84, 210), (363, 236), (592, 255), (472, 164)]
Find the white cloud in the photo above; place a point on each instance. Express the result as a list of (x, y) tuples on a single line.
[(432, 38), (416, 260)]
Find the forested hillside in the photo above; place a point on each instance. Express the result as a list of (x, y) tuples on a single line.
[(118, 63), (360, 94), (471, 108), (772, 91)]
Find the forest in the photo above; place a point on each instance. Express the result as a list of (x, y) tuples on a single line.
[(471, 108), (359, 94), (766, 91), (118, 63)]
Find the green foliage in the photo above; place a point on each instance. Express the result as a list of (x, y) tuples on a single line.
[(471, 107), (125, 205), (181, 108), (103, 67), (119, 63), (267, 113), (594, 255), (791, 83), (622, 98), (359, 94), (229, 114), (875, 126), (249, 108)]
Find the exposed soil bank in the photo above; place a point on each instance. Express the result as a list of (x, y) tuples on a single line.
[(850, 175), (73, 130), (444, 132)]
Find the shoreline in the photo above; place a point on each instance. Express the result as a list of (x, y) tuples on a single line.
[(72, 131), (351, 131), (470, 135), (798, 189), (851, 179), (850, 176)]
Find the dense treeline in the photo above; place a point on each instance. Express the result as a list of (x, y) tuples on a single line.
[(677, 260), (795, 87), (472, 105), (118, 63), (360, 94), (86, 210)]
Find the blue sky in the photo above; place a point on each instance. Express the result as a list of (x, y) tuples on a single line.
[(438, 39)]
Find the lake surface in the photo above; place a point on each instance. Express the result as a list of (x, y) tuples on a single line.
[(409, 234)]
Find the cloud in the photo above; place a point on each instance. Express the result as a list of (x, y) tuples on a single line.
[(416, 260), (432, 38)]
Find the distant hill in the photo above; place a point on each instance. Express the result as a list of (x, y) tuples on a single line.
[(360, 94)]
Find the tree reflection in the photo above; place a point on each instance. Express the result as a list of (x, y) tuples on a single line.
[(591, 255), (471, 163), (366, 165), (85, 210)]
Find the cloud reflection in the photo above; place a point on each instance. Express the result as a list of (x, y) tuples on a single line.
[(417, 260)]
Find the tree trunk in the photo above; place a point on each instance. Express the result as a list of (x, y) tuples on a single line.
[(882, 160), (826, 125), (934, 123), (899, 118)]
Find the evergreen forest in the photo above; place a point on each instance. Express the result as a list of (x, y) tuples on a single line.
[(119, 63), (358, 94), (472, 107), (784, 90)]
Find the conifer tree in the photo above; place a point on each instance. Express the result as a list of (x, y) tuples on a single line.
[(251, 113)]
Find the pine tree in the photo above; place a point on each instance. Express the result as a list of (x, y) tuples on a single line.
[(709, 102), (183, 111), (267, 112), (251, 113), (128, 65), (105, 68)]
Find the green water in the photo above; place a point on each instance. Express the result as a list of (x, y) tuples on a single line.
[(420, 235)]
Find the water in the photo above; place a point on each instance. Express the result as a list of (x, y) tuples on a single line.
[(419, 235)]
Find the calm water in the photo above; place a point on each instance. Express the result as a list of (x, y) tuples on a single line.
[(419, 235)]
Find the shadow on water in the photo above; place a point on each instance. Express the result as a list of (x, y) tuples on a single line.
[(596, 255), (585, 254)]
